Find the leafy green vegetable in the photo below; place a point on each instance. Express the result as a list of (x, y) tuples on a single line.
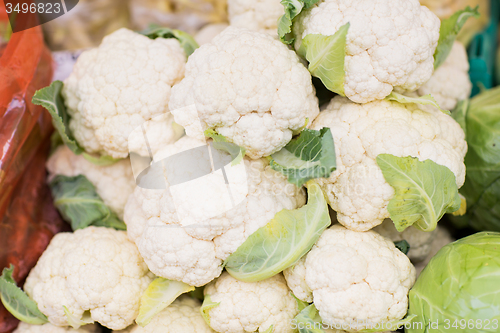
[(77, 201), (449, 31), (480, 118), (186, 40), (292, 9), (283, 241), (459, 114), (424, 100), (206, 307), (51, 99), (17, 302), (460, 284), (424, 191), (403, 246), (308, 321), (310, 155), (75, 322), (220, 142), (160, 294), (326, 56)]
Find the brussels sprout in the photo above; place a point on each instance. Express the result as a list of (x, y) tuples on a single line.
[(480, 119), (459, 290)]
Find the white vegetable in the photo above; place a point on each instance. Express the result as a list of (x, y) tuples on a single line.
[(114, 183), (357, 190), (441, 239), (248, 87), (450, 83), (383, 50), (49, 328), (94, 272), (354, 276), (192, 254), (250, 306), (257, 15), (182, 316), (116, 87), (420, 241)]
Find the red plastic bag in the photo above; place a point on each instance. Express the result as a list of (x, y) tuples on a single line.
[(28, 219)]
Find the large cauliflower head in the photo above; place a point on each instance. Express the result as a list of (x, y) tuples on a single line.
[(183, 315), (118, 86), (251, 306), (390, 43), (186, 231), (450, 83), (441, 239), (49, 328), (248, 87), (420, 241), (258, 15), (114, 183), (353, 277), (357, 190), (97, 271)]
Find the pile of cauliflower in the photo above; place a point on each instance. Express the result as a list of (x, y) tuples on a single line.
[(244, 84)]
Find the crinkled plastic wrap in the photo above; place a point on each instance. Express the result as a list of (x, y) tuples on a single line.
[(187, 15), (86, 24), (28, 219), (445, 8)]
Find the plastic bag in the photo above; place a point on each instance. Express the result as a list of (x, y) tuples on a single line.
[(28, 219)]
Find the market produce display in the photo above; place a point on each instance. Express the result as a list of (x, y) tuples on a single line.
[(237, 166)]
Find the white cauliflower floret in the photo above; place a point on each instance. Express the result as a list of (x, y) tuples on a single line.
[(49, 328), (248, 87), (390, 43), (251, 306), (258, 15), (357, 190), (182, 316), (420, 241), (442, 238), (164, 223), (114, 183), (96, 271), (118, 86), (355, 276), (450, 83), (208, 32)]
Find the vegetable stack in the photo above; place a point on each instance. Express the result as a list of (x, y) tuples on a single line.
[(236, 210)]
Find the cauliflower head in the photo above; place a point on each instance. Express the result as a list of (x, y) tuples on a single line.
[(390, 43), (208, 32), (420, 241), (97, 271), (183, 315), (441, 239), (251, 306), (49, 328), (354, 276), (357, 190), (247, 86), (258, 15), (161, 223), (114, 183), (118, 86), (450, 83)]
